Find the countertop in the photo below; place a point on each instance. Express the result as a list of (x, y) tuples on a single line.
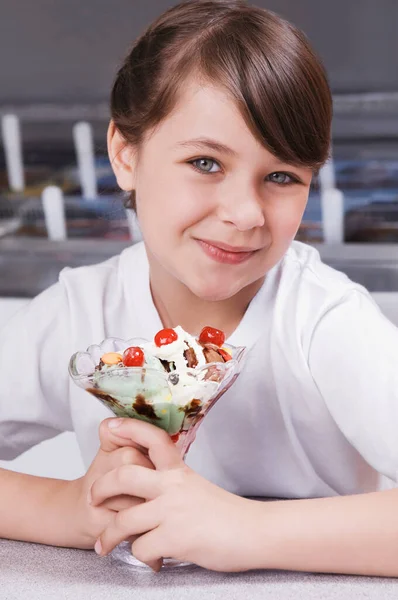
[(30, 265), (42, 572)]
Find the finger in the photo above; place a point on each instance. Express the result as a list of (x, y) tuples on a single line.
[(127, 456), (155, 565), (112, 460), (120, 457), (161, 450), (110, 440), (130, 522), (122, 502), (147, 549), (133, 480)]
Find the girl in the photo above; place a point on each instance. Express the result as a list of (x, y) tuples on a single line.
[(221, 116)]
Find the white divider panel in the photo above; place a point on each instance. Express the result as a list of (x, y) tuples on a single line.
[(327, 176), (54, 213), (11, 134), (84, 146), (332, 204)]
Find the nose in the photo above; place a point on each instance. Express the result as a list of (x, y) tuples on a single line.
[(242, 206)]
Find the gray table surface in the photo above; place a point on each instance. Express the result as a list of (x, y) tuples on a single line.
[(42, 572)]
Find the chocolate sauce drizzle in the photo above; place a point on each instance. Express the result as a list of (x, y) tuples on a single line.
[(144, 409), (105, 397)]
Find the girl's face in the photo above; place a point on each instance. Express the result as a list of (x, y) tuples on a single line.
[(216, 209)]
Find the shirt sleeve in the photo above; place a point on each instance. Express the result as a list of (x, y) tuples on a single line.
[(34, 380), (353, 359)]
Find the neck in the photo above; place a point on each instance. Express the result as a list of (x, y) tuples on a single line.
[(177, 305)]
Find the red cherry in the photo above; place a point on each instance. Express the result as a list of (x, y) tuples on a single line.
[(209, 335), (226, 356), (165, 337), (133, 357)]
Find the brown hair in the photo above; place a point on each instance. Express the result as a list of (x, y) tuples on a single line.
[(265, 64)]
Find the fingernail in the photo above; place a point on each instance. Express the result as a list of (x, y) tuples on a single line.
[(98, 546), (113, 423), (89, 497)]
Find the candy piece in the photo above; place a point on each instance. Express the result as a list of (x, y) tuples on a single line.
[(165, 337), (212, 355), (133, 357), (111, 358), (225, 354), (190, 357), (210, 335)]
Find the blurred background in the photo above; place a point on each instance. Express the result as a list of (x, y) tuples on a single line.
[(59, 204)]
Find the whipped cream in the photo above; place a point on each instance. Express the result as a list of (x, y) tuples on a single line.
[(188, 384), (174, 352)]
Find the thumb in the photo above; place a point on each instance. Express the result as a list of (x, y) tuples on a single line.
[(153, 441), (109, 438)]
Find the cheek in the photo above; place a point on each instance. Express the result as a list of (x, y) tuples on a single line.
[(162, 204), (285, 217)]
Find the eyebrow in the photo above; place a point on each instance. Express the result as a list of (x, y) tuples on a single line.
[(207, 144)]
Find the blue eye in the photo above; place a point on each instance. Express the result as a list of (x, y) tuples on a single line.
[(281, 178), (206, 165)]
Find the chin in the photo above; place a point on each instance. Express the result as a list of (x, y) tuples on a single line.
[(213, 291)]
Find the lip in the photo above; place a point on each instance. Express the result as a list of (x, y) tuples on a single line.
[(224, 253), (227, 247)]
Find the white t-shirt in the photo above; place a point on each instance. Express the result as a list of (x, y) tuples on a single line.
[(313, 413)]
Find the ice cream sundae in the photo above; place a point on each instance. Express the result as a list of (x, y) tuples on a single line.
[(170, 382)]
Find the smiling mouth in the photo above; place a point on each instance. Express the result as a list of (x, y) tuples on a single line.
[(223, 253)]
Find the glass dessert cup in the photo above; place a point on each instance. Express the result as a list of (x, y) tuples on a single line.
[(174, 401)]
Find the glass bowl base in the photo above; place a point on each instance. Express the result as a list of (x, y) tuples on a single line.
[(122, 556)]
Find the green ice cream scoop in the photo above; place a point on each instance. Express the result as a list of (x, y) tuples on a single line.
[(141, 395)]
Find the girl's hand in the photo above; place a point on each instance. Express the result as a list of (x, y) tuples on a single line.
[(185, 517), (114, 452)]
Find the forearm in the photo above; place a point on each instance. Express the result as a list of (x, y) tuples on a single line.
[(353, 534), (36, 509)]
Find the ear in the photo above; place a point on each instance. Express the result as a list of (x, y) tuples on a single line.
[(122, 158)]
